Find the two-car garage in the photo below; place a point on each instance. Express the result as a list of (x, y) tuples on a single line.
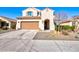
[(34, 25)]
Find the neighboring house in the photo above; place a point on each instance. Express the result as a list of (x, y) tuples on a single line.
[(67, 22), (76, 20), (4, 21), (72, 22), (35, 19)]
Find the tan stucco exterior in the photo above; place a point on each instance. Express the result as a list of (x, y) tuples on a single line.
[(69, 23)]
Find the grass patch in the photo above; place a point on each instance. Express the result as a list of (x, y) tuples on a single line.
[(4, 31)]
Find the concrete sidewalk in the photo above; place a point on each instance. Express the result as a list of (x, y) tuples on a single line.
[(55, 46)]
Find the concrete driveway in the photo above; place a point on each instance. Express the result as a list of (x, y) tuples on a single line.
[(22, 41)]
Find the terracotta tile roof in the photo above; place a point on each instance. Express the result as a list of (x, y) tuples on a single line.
[(12, 20), (29, 17), (76, 17), (66, 21)]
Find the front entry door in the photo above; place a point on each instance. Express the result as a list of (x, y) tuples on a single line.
[(46, 25)]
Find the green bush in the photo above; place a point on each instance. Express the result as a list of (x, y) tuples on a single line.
[(72, 28), (58, 28), (65, 27), (13, 26)]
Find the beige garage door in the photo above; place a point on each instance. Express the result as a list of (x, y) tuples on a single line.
[(30, 25)]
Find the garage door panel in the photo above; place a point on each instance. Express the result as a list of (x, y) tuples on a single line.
[(30, 25)]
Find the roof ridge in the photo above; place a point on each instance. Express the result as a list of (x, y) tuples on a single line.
[(7, 17)]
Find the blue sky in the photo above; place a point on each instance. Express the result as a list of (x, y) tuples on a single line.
[(13, 12)]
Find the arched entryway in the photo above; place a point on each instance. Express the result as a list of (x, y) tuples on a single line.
[(46, 24)]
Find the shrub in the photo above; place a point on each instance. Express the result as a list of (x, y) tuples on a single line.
[(72, 28), (58, 28), (13, 26), (66, 27)]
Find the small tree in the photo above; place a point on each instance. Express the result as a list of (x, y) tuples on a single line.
[(59, 17)]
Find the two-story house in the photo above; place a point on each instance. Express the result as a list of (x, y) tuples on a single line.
[(35, 19)]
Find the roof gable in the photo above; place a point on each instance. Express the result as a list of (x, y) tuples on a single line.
[(31, 9)]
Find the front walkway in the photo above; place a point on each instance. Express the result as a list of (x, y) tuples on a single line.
[(22, 40)]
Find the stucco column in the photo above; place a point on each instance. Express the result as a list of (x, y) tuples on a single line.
[(52, 27), (9, 25), (18, 25), (41, 25)]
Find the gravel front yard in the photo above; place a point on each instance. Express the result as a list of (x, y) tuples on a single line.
[(49, 36)]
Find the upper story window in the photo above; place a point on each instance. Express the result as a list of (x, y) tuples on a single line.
[(38, 13), (30, 13)]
